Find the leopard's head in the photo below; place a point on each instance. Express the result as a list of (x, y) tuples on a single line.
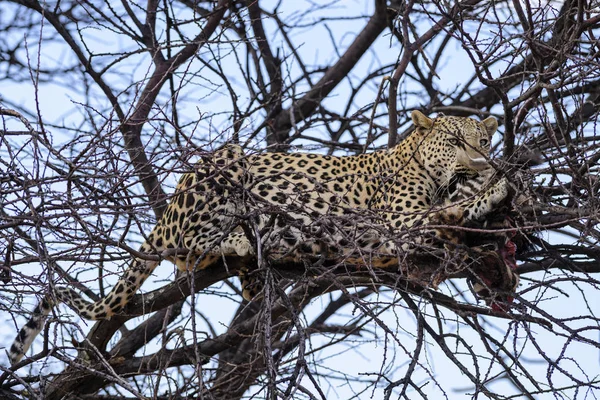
[(449, 145)]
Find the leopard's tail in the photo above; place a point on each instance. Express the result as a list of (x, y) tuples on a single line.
[(29, 332), (104, 308)]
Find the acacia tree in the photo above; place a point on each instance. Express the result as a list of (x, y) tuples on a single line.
[(105, 104)]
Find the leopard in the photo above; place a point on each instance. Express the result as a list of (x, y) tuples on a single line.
[(234, 203)]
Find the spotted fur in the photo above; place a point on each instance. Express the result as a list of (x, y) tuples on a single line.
[(376, 205)]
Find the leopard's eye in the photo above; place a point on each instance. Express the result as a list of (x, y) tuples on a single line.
[(453, 141), (484, 142)]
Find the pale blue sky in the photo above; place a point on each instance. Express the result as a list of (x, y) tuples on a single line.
[(205, 100)]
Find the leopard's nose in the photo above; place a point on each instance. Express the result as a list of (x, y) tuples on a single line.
[(479, 163), (475, 162)]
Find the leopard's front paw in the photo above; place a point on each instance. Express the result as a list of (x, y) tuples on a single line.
[(499, 192), (244, 249), (237, 244), (241, 246)]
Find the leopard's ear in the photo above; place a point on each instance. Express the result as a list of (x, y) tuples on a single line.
[(421, 120), (491, 125)]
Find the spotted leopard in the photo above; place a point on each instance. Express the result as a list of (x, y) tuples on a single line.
[(235, 203)]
